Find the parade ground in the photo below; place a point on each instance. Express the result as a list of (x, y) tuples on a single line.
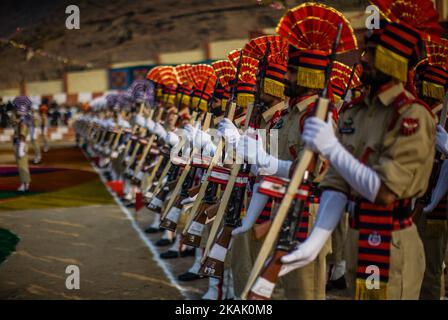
[(70, 218), (240, 154)]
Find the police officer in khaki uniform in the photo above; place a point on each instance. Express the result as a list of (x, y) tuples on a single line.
[(431, 81), (381, 158), (21, 125), (35, 122), (245, 246), (304, 78)]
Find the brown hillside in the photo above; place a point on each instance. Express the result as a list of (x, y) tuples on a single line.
[(117, 30)]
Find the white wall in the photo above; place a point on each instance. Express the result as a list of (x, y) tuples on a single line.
[(87, 81), (182, 57), (44, 87)]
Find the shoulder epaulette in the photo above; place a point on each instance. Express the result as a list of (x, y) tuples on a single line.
[(426, 106)]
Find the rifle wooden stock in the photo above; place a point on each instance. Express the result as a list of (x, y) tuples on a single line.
[(212, 211), (112, 135), (296, 180), (213, 265), (264, 286), (168, 166), (172, 217), (160, 196), (152, 175), (148, 145), (187, 168), (117, 140), (134, 131), (165, 171), (193, 235), (136, 149), (215, 159), (261, 230), (203, 187), (226, 195), (129, 142), (99, 136)]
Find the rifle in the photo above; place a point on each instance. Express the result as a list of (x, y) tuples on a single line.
[(162, 190), (148, 145), (162, 160), (171, 220), (194, 227), (172, 211), (285, 243), (347, 88), (132, 138), (232, 205), (299, 174), (141, 140)]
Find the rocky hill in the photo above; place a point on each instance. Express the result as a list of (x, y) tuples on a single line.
[(121, 30)]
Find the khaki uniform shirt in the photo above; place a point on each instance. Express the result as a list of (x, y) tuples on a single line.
[(289, 136), (21, 129), (393, 137)]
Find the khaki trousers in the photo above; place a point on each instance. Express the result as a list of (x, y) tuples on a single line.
[(244, 252), (23, 168), (35, 144), (338, 238), (407, 264), (434, 235)]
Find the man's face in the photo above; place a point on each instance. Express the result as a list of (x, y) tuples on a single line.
[(418, 82), (216, 106), (268, 100), (371, 75), (292, 90)]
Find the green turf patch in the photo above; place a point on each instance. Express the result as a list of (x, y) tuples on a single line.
[(8, 242), (13, 194)]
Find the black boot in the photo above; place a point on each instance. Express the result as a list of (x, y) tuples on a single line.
[(170, 254), (164, 242), (189, 276)]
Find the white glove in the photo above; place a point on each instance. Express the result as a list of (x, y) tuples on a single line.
[(21, 149), (257, 203), (140, 120), (201, 139), (121, 148), (319, 136), (440, 190), (442, 140), (159, 131), (329, 214), (229, 131), (189, 200), (171, 138), (110, 123), (209, 150), (253, 152), (126, 124), (150, 125), (190, 132)]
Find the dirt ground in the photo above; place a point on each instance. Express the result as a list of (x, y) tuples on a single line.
[(114, 262)]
